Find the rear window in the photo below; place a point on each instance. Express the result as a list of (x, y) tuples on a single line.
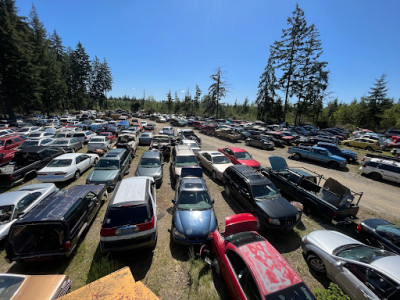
[(36, 238), (298, 291), (244, 238), (127, 215)]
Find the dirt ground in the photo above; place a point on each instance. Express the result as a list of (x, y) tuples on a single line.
[(167, 270)]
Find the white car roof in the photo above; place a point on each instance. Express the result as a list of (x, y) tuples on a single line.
[(69, 155), (131, 189)]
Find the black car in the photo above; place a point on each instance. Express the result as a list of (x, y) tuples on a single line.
[(258, 195), (260, 141), (380, 233), (53, 228)]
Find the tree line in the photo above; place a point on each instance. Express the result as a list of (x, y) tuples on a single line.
[(37, 73)]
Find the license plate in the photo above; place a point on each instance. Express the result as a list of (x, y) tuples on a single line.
[(126, 230)]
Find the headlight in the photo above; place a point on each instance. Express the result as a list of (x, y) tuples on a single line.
[(297, 216), (110, 182), (274, 221), (178, 234)]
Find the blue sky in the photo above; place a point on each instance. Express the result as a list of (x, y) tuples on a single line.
[(157, 46)]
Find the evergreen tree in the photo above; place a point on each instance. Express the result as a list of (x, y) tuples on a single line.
[(246, 107), (170, 102), (196, 100), (177, 104), (188, 104), (217, 89)]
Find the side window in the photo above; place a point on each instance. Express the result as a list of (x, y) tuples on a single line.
[(78, 159), (243, 185), (90, 199), (17, 140), (9, 142), (26, 201), (75, 214)]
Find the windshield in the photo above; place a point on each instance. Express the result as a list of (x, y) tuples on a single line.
[(60, 163), (189, 160), (29, 143), (194, 200), (107, 164), (160, 140), (9, 285), (264, 191), (222, 159), (295, 292), (6, 212), (145, 135), (361, 253), (243, 155), (60, 135), (60, 143), (150, 162), (193, 145)]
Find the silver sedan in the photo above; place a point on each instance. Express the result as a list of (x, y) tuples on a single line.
[(215, 162), (363, 272)]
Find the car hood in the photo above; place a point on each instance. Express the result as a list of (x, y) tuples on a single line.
[(102, 175), (222, 167), (328, 240), (277, 207), (349, 152), (195, 223), (338, 158), (151, 172), (249, 162)]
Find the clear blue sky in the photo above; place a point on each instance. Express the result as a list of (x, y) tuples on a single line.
[(163, 45)]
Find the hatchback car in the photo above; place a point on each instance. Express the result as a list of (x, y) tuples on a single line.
[(130, 221), (151, 164), (363, 272), (98, 143), (146, 138)]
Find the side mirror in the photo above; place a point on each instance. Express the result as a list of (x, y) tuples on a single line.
[(173, 202), (212, 201)]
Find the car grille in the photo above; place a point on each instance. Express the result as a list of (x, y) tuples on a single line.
[(288, 221)]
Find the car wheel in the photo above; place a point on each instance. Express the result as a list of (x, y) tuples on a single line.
[(296, 156), (316, 264), (369, 148), (214, 175), (264, 147), (77, 175), (247, 143), (346, 144), (375, 176), (95, 161), (334, 164)]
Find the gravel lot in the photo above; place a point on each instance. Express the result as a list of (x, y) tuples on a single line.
[(167, 270)]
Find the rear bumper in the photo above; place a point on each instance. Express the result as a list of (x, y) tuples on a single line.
[(130, 244)]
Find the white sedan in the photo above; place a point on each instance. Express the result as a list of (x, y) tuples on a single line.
[(98, 142), (215, 162), (67, 166)]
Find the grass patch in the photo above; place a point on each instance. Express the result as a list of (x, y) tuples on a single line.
[(201, 279), (102, 267)]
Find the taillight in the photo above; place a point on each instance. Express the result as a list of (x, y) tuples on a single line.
[(334, 215), (67, 246), (363, 159), (42, 174), (363, 165), (107, 232), (359, 228), (10, 177), (146, 226), (60, 173), (85, 137)]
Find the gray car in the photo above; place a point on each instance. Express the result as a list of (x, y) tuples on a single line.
[(151, 165), (363, 272), (68, 144), (146, 138)]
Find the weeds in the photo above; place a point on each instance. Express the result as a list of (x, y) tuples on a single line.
[(104, 266)]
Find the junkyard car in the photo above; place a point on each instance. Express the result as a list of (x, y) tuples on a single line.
[(151, 165), (162, 142), (145, 138), (228, 134), (98, 143), (215, 162), (192, 145), (68, 144), (128, 141), (239, 156), (260, 141), (15, 204), (54, 226), (251, 267), (363, 272), (67, 166), (364, 143)]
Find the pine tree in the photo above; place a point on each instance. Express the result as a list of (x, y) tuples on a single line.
[(177, 104), (170, 102), (188, 104), (217, 90), (196, 100)]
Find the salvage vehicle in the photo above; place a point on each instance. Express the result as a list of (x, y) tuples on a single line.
[(239, 156), (251, 267), (215, 162), (364, 143), (227, 133), (53, 227), (362, 272), (130, 221), (6, 156), (256, 194), (17, 286), (15, 204), (67, 166), (379, 233), (188, 134), (162, 143), (128, 141), (26, 163), (191, 144), (146, 138), (208, 129), (68, 144), (317, 154), (193, 212), (350, 156), (98, 143), (331, 199), (260, 141), (32, 143), (182, 156), (380, 167), (10, 142), (151, 165)]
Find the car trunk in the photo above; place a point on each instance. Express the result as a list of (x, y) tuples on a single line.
[(37, 238)]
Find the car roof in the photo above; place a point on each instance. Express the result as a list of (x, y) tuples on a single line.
[(151, 154), (236, 149), (115, 152), (255, 177), (389, 265), (193, 183), (131, 190), (54, 207), (69, 155), (270, 269)]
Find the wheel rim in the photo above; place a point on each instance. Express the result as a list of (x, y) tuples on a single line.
[(76, 175), (317, 264)]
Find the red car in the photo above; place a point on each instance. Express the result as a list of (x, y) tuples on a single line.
[(239, 156), (251, 267), (109, 135), (208, 129), (285, 137), (6, 156), (10, 142)]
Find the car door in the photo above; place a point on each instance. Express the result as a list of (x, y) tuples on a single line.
[(229, 153), (206, 161), (244, 195), (83, 163), (93, 205)]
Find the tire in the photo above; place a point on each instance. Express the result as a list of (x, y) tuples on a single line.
[(375, 176), (77, 175), (346, 144), (264, 147), (247, 143), (369, 148), (95, 161), (334, 164), (216, 267), (296, 156), (214, 175), (316, 264)]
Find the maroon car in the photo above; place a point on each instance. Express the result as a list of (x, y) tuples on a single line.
[(208, 129)]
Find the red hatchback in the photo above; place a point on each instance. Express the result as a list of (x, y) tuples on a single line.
[(251, 267), (239, 156)]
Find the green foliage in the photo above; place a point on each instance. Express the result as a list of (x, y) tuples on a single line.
[(216, 92), (102, 267), (332, 293)]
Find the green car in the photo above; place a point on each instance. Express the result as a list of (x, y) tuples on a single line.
[(111, 168)]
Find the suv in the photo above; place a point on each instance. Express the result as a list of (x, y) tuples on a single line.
[(54, 226), (111, 168), (258, 195), (130, 221), (182, 156), (381, 168)]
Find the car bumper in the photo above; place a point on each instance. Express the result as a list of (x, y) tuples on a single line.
[(189, 241), (130, 244)]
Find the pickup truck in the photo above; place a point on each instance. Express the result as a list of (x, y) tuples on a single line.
[(331, 199), (317, 154), (25, 163), (228, 134)]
